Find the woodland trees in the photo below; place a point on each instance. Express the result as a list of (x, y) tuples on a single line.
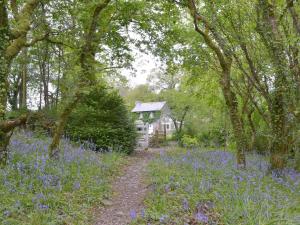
[(53, 54), (13, 38), (253, 48), (60, 50)]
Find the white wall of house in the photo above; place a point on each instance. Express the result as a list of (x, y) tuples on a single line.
[(162, 124)]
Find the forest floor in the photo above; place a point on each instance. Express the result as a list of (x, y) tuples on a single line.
[(129, 191)]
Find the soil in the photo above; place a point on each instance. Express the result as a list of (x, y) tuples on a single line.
[(129, 191)]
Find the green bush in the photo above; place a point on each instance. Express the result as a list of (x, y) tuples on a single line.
[(213, 138), (102, 119), (261, 144), (189, 141)]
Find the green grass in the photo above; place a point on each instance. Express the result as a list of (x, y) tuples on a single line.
[(191, 187), (35, 190)]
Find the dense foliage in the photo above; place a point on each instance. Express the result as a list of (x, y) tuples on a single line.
[(242, 55), (102, 119)]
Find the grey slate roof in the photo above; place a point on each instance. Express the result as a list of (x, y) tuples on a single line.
[(148, 106)]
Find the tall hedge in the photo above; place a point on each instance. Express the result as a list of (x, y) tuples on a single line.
[(103, 119)]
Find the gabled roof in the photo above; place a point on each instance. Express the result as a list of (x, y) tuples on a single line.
[(148, 106)]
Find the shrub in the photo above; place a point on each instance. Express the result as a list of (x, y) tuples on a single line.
[(213, 138), (102, 118), (189, 141), (261, 144)]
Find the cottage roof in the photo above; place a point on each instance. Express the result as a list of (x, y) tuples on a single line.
[(148, 106)]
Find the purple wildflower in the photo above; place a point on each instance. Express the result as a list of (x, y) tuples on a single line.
[(167, 188), (6, 213), (163, 218), (185, 204), (133, 214), (200, 217), (18, 204), (196, 165), (43, 207), (143, 213), (76, 185)]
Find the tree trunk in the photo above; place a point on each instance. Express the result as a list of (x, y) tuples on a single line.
[(43, 76), (87, 78), (6, 128), (236, 122), (271, 34), (13, 93), (53, 148), (58, 77), (4, 69), (4, 141), (219, 46), (23, 86), (11, 43), (4, 64)]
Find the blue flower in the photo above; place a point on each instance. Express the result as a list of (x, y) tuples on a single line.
[(76, 185), (162, 218), (143, 213), (7, 213), (43, 207), (185, 204), (200, 217), (133, 214)]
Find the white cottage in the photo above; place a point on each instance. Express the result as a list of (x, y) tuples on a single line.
[(152, 117)]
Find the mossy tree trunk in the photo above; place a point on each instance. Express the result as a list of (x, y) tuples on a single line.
[(269, 30), (87, 75), (53, 148), (12, 41), (23, 85), (236, 121), (4, 68), (4, 64), (219, 46), (6, 129)]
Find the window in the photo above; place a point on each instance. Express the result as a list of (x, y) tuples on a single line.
[(139, 128), (151, 115), (168, 126), (141, 115)]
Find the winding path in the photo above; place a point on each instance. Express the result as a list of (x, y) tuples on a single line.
[(129, 192)]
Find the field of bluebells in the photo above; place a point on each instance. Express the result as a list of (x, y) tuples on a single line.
[(36, 190), (204, 187)]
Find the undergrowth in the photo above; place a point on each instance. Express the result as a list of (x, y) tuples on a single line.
[(204, 187), (36, 190)]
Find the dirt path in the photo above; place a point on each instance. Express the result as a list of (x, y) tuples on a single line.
[(129, 192)]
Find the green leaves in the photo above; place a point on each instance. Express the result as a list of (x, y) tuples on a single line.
[(102, 118)]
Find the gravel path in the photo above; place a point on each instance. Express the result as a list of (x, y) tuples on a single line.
[(129, 192)]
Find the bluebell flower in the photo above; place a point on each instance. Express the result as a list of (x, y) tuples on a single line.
[(200, 217), (142, 212), (163, 218), (7, 213), (43, 207), (76, 185), (185, 204), (133, 214)]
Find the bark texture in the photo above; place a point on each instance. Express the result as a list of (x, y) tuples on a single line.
[(269, 30), (6, 129), (87, 76), (218, 45), (12, 41)]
